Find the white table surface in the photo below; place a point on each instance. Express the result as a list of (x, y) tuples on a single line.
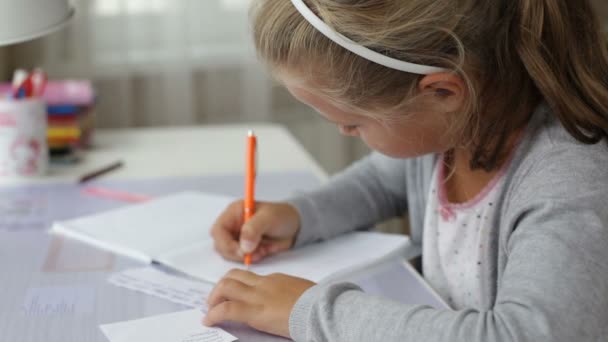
[(184, 152)]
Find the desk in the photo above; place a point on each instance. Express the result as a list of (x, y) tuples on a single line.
[(193, 151), (39, 271)]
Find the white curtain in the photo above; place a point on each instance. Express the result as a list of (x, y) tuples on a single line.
[(159, 62)]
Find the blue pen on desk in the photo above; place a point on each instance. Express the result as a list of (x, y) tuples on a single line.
[(100, 172)]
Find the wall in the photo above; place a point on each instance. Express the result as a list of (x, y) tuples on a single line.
[(3, 64)]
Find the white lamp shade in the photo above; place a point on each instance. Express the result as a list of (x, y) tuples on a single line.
[(22, 20)]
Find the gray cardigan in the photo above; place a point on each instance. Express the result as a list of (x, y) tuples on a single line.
[(546, 275)]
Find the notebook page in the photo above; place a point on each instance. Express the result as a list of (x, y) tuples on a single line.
[(183, 326), (150, 228), (314, 262)]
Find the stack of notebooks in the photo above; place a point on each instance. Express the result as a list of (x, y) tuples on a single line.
[(174, 231), (71, 117)]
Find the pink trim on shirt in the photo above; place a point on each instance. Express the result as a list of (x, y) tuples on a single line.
[(446, 207)]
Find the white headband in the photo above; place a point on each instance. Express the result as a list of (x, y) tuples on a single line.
[(360, 50)]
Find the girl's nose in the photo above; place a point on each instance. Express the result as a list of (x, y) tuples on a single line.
[(350, 131)]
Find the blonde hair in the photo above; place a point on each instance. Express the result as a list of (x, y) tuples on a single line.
[(511, 54)]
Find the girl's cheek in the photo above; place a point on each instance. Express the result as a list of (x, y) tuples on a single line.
[(375, 143)]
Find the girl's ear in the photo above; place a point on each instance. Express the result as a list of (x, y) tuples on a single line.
[(448, 90)]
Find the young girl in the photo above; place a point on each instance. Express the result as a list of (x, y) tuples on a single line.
[(490, 121)]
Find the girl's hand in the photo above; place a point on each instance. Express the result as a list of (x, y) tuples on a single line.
[(262, 302), (272, 229)]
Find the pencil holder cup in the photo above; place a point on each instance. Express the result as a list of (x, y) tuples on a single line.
[(23, 138)]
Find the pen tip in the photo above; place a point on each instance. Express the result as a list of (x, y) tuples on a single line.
[(250, 133), (247, 261)]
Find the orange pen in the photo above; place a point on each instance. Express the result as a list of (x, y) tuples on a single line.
[(249, 205)]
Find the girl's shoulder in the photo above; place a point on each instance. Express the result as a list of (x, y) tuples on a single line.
[(551, 164)]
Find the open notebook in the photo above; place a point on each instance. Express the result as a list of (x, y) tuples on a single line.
[(174, 231)]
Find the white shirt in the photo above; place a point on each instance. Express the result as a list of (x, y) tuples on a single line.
[(455, 240)]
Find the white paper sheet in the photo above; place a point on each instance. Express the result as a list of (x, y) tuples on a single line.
[(156, 283), (315, 262), (184, 326), (145, 231), (23, 211)]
